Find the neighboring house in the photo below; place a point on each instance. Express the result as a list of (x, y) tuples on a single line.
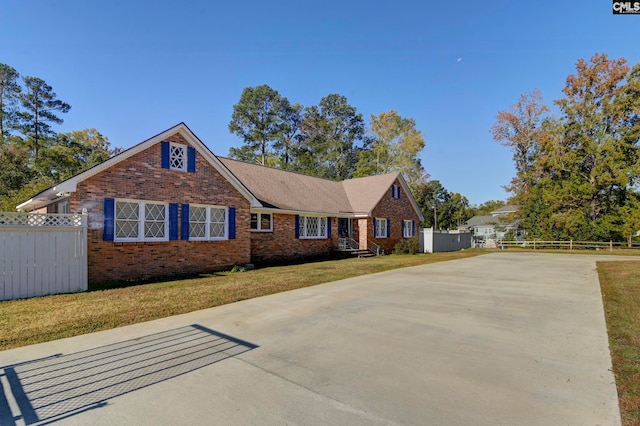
[(495, 226), (505, 211), (169, 206)]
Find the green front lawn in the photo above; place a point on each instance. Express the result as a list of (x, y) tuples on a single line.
[(24, 322), (620, 285)]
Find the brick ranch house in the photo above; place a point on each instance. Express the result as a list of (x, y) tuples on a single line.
[(169, 206)]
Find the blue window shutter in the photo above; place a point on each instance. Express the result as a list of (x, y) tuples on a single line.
[(393, 191), (398, 197), (297, 226), (328, 227), (232, 223), (402, 229), (191, 159), (389, 228), (173, 221), (109, 219), (413, 228), (184, 229), (165, 154)]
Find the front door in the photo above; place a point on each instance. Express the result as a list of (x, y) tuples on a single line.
[(345, 233)]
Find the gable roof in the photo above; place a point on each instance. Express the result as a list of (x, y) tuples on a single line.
[(70, 185), (296, 192), (264, 187), (510, 208), (483, 221), (365, 193), (284, 190)]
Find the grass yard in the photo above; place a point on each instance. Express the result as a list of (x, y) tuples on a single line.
[(620, 284), (41, 319)]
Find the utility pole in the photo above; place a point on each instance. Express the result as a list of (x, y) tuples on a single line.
[(435, 216)]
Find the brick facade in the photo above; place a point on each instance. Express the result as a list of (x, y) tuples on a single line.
[(141, 177), (396, 209), (281, 244)]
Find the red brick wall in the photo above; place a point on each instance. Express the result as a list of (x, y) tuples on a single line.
[(397, 210), (282, 245), (141, 177), (363, 232)]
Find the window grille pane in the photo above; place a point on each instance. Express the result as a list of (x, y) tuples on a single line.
[(197, 230), (154, 220), (127, 215), (154, 229), (265, 221), (154, 212), (126, 211), (408, 229), (217, 230), (381, 228), (177, 159), (197, 214), (312, 226), (126, 229), (254, 221), (197, 222), (217, 225), (217, 215)]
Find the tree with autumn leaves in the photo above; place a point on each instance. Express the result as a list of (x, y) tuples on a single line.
[(577, 172)]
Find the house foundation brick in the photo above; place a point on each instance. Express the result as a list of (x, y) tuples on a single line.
[(282, 244)]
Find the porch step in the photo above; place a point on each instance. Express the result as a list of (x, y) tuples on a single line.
[(361, 253), (345, 254), (364, 253)]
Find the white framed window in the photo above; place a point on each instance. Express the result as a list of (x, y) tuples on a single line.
[(261, 222), (313, 227), (177, 157), (407, 229), (141, 221), (208, 223), (381, 228), (395, 191)]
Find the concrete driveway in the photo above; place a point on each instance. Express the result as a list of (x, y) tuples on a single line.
[(505, 338)]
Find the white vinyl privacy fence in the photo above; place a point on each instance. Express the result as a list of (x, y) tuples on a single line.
[(42, 254)]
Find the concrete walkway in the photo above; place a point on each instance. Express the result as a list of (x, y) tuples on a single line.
[(505, 338)]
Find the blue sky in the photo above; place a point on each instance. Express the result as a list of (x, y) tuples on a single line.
[(132, 69)]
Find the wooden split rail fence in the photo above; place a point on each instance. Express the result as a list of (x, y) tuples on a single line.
[(567, 245)]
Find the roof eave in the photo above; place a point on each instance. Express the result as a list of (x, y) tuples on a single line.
[(70, 185), (309, 212)]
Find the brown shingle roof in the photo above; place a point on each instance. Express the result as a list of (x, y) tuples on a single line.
[(286, 190), (365, 193)]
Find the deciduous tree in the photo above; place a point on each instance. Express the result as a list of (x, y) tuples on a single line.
[(580, 175), (72, 153), (520, 129), (395, 147)]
